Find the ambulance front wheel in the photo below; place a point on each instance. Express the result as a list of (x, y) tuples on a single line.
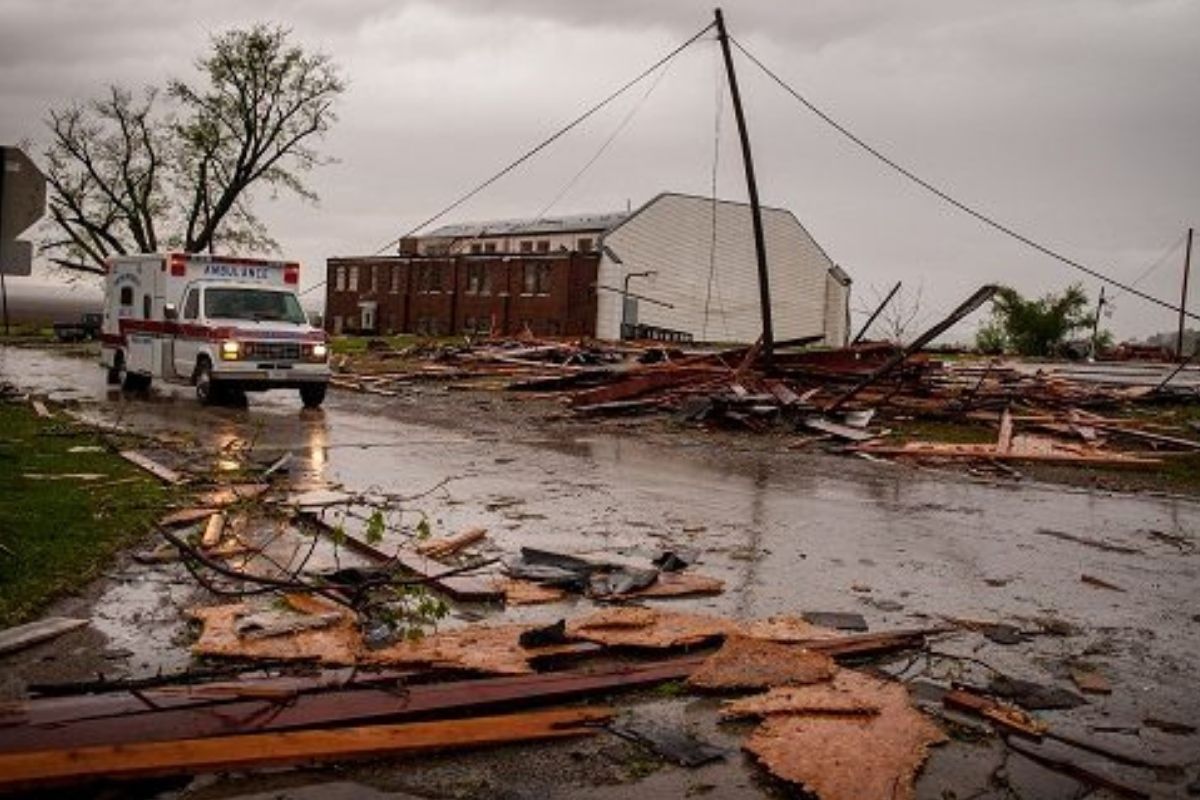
[(313, 394), (207, 390)]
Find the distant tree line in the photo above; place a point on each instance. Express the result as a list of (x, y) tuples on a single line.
[(1041, 327)]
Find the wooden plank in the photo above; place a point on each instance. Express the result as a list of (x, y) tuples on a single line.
[(1004, 441), (194, 756), (163, 473), (213, 530), (40, 409), (330, 708), (22, 636)]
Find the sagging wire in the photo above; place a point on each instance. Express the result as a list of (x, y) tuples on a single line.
[(945, 196), (605, 145), (718, 112), (553, 137)]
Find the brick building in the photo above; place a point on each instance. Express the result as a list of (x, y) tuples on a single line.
[(550, 295), (680, 267)]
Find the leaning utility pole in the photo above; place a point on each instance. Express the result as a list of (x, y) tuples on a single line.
[(1096, 323), (760, 247), (1187, 268)]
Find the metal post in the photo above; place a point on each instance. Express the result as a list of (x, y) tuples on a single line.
[(760, 248), (1096, 321), (866, 325), (1187, 268)]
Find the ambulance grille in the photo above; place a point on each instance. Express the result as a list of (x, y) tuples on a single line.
[(275, 351)]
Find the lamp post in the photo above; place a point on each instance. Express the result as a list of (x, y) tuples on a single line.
[(625, 298)]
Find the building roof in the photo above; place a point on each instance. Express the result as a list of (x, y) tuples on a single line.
[(572, 223)]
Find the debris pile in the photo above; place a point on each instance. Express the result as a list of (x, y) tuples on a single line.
[(827, 394)]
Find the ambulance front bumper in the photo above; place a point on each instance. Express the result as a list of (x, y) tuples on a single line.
[(283, 374)]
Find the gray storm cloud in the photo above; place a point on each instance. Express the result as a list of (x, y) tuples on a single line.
[(1076, 122)]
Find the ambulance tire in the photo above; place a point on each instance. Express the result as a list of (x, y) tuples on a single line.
[(130, 381), (313, 394), (208, 391), (113, 378)]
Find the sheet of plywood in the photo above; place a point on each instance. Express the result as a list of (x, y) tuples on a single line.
[(745, 663)]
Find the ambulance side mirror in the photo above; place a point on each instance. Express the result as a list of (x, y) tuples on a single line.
[(170, 312)]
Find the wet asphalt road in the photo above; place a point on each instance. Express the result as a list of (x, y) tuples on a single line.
[(786, 532)]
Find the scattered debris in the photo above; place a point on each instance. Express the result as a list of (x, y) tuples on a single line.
[(745, 663), (22, 636), (1033, 696), (1100, 583), (212, 531), (875, 750), (1090, 681), (841, 620), (163, 473), (678, 748), (1169, 726), (443, 548), (646, 628), (40, 409)]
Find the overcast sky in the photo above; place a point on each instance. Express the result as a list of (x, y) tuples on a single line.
[(1075, 121)]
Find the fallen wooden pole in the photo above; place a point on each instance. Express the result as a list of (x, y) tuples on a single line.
[(192, 756)]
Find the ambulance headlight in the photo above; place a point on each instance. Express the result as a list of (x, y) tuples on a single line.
[(319, 351), (230, 350)]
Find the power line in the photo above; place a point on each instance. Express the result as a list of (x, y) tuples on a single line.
[(1161, 260), (718, 108), (961, 206), (604, 146), (550, 140)]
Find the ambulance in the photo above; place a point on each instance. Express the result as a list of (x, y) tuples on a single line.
[(223, 325)]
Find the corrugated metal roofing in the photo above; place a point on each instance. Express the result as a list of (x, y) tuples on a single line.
[(570, 223)]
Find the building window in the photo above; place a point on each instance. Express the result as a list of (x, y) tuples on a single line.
[(476, 248), (478, 279), (339, 279), (126, 295), (429, 279), (146, 302), (338, 324), (543, 246), (489, 247), (373, 277), (395, 279), (354, 284), (584, 245), (537, 279), (527, 246)]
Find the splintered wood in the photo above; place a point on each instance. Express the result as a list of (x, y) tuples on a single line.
[(744, 663), (315, 629), (493, 649), (335, 643), (642, 627), (441, 548), (519, 592), (853, 737), (678, 584)]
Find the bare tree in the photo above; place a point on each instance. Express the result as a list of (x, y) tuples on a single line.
[(177, 169), (898, 319)]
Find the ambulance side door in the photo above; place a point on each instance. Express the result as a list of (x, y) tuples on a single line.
[(187, 345)]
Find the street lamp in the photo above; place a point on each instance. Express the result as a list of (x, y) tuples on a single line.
[(625, 303)]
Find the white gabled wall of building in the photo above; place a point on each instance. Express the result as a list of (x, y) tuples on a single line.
[(673, 236)]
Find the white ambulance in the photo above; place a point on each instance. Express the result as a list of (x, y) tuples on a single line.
[(224, 325)]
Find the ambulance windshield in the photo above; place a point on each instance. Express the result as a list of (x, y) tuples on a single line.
[(261, 305)]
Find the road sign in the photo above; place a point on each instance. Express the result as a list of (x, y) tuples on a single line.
[(16, 258), (22, 203), (23, 200)]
